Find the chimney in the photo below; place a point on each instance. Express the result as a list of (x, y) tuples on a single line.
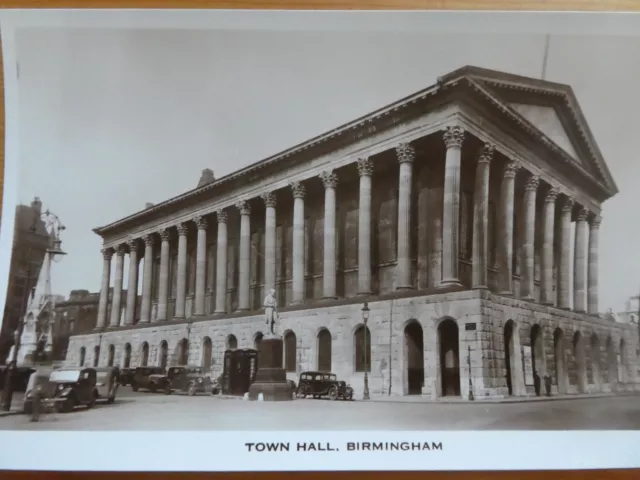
[(206, 177), (148, 205), (36, 204)]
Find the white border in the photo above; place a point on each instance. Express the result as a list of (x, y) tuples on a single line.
[(226, 451)]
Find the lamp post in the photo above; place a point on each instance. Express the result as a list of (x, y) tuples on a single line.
[(365, 318), (470, 384)]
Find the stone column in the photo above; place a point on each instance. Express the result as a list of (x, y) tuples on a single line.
[(221, 263), (244, 263), (330, 181), (406, 155), (365, 169), (298, 286), (269, 199), (505, 235), (107, 254), (163, 283), (546, 277), (579, 261), (564, 272), (132, 285), (453, 139), (529, 206), (181, 287), (592, 291), (479, 277), (201, 264), (147, 279), (116, 301)]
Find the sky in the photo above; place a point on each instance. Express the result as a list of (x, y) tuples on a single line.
[(112, 119)]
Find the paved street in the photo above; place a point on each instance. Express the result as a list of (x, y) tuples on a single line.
[(145, 411)]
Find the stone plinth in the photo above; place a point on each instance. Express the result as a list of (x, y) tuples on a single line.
[(271, 379)]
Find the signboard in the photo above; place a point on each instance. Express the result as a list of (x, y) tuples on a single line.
[(527, 365), (469, 326)]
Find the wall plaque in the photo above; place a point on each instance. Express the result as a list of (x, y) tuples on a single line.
[(469, 326)]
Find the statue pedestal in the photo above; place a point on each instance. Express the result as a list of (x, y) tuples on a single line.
[(271, 379)]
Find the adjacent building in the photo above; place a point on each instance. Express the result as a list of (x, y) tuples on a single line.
[(465, 215)]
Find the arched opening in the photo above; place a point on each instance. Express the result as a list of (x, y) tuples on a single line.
[(595, 360), (449, 358), (183, 352), (559, 358), (537, 358), (83, 354), (290, 352), (324, 350), (111, 356), (509, 352), (578, 355), (232, 342), (362, 349), (623, 361), (144, 361), (164, 354), (127, 355), (207, 350), (414, 357), (96, 355), (257, 340)]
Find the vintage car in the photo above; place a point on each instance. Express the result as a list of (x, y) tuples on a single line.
[(188, 378), (107, 383), (153, 379), (320, 384), (39, 380), (71, 387), (126, 376)]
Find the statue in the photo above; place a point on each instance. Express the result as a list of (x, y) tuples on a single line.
[(271, 311)]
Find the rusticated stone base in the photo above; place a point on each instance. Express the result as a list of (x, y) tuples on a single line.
[(271, 379)]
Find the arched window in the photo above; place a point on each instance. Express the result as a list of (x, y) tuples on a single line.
[(144, 361), (362, 348), (127, 355), (96, 355), (232, 342), (290, 352), (206, 353), (324, 350), (112, 354), (164, 353), (183, 352), (83, 354)]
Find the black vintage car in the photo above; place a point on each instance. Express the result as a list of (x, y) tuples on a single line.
[(71, 387), (321, 384), (188, 378), (153, 379)]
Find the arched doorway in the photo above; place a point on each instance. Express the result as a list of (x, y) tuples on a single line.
[(324, 350), (111, 356), (559, 358), (537, 357), (183, 352), (449, 358), (623, 361), (578, 355), (127, 356), (164, 354), (595, 360), (414, 358), (509, 356), (207, 350), (83, 354), (144, 361), (232, 342), (362, 349), (96, 355), (290, 351)]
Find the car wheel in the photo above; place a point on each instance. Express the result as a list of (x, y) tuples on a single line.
[(302, 392), (111, 399), (68, 405), (152, 388), (134, 387), (333, 393), (349, 396)]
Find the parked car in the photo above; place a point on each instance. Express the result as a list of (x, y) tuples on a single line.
[(187, 378), (107, 383), (320, 384), (39, 380), (126, 376), (72, 387), (152, 379)]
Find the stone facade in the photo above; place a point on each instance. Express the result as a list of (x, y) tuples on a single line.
[(450, 212)]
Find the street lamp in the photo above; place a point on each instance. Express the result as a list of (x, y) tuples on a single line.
[(365, 318)]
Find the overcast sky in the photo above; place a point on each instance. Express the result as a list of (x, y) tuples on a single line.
[(111, 119)]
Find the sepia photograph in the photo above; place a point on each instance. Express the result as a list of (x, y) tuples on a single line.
[(253, 228)]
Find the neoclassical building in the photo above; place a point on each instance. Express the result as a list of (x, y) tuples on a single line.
[(466, 215)]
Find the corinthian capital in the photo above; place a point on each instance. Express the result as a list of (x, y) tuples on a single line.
[(485, 155), (133, 245), (243, 207), (552, 195), (298, 190), (454, 136), (222, 216), (583, 214), (510, 169), (329, 179), (405, 153), (182, 229), (121, 249), (594, 222), (201, 222), (107, 253), (148, 240), (165, 234), (365, 167), (568, 204), (269, 199), (532, 183)]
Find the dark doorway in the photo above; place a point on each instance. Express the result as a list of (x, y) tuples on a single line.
[(414, 348), (508, 352), (164, 353), (449, 358)]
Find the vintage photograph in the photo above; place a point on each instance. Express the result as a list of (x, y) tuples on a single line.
[(286, 230)]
